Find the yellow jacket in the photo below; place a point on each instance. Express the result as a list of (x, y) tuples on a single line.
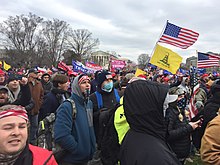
[(120, 122)]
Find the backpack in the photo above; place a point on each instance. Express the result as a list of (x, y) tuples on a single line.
[(109, 143), (45, 138), (110, 146)]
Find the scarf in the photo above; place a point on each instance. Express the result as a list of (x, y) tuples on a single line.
[(7, 159)]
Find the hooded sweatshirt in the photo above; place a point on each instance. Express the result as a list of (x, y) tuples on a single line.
[(76, 136), (145, 142)]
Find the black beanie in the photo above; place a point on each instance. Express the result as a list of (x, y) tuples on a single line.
[(12, 77), (102, 76)]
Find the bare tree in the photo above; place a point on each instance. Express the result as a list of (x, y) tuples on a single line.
[(143, 60), (33, 41), (55, 34), (20, 33), (81, 43)]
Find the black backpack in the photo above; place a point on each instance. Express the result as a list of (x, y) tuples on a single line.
[(45, 138), (109, 143)]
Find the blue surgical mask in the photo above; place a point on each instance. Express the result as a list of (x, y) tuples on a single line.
[(108, 87)]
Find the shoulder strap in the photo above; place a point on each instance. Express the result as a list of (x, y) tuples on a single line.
[(99, 99), (73, 107), (117, 95)]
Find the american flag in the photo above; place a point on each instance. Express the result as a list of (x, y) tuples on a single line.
[(178, 36), (195, 87), (192, 105), (206, 60)]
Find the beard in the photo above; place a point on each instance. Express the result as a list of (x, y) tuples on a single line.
[(4, 102)]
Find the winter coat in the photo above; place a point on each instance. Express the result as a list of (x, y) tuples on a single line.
[(211, 108), (52, 101), (33, 155), (75, 135), (209, 112), (210, 146), (145, 142), (178, 132), (109, 102), (24, 96), (120, 122), (201, 96), (37, 94)]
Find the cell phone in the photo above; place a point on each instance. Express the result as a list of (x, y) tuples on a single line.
[(197, 117)]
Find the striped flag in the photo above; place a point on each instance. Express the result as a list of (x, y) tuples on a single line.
[(193, 111), (206, 60), (178, 36), (192, 105)]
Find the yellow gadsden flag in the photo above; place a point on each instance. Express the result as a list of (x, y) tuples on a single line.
[(166, 59), (139, 72), (6, 66)]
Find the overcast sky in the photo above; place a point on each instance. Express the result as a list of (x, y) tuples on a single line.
[(129, 27)]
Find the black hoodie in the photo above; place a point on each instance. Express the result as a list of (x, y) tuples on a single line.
[(145, 142)]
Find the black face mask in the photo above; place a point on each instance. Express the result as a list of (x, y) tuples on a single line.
[(181, 103)]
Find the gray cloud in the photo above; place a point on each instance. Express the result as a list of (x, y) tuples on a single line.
[(129, 27)]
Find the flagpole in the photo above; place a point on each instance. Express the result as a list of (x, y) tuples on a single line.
[(163, 30), (158, 40), (197, 59)]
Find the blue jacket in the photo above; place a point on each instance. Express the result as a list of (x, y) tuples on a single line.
[(75, 135)]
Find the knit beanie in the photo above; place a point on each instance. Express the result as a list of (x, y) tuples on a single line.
[(12, 77), (102, 76)]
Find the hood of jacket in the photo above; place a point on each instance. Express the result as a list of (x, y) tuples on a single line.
[(75, 87), (143, 106)]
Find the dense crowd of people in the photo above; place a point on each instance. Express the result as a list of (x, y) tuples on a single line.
[(108, 118)]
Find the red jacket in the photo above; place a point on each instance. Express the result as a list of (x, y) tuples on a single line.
[(42, 156)]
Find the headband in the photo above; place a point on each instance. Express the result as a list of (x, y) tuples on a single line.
[(18, 111), (84, 77)]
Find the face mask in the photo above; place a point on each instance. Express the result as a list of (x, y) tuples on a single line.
[(181, 103), (108, 87)]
